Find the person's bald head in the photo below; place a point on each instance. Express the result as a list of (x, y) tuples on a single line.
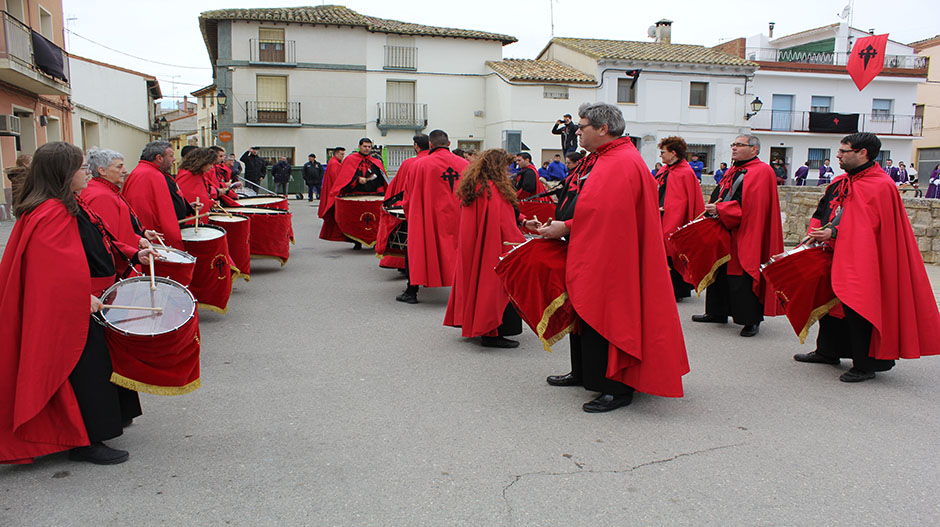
[(438, 138)]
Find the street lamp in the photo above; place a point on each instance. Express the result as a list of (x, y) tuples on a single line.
[(221, 99), (756, 105)]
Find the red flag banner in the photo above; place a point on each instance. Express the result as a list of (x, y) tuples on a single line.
[(867, 59)]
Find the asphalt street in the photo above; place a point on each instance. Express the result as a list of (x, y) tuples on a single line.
[(325, 402)]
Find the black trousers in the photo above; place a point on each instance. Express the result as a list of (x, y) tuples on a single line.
[(104, 405), (679, 286), (849, 338), (512, 322), (589, 362), (733, 295)]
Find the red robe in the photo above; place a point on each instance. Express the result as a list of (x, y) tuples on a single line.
[(477, 300), (626, 295), (539, 187), (387, 222), (433, 212), (146, 191), (200, 186), (43, 326), (878, 271), (104, 199), (756, 228), (330, 230), (347, 180), (683, 202)]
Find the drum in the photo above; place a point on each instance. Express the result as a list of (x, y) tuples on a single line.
[(802, 281), (533, 274), (398, 212), (175, 264), (265, 202), (152, 352), (237, 230), (269, 232), (703, 245), (531, 209), (358, 217), (212, 276), (391, 244)]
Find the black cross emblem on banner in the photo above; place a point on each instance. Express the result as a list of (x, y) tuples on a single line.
[(868, 54), (219, 264), (368, 219), (450, 175)]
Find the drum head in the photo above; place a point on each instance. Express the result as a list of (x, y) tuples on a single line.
[(259, 200), (365, 197), (398, 212), (255, 210), (177, 302), (205, 233), (223, 218), (171, 255)]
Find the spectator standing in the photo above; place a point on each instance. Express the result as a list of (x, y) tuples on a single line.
[(568, 130), (912, 174), (557, 171), (656, 168), (313, 176), (892, 171), (697, 167), (543, 171), (902, 173), (800, 176), (235, 166), (780, 170), (281, 173), (723, 167), (825, 173), (255, 166), (933, 188)]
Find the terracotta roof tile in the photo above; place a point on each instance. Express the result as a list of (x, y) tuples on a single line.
[(651, 52), (539, 71)]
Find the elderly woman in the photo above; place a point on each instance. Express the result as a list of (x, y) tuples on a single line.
[(680, 201), (55, 366)]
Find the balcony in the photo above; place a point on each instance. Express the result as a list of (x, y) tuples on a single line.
[(877, 123), (282, 53), (401, 116), (273, 112), (31, 62), (830, 58), (404, 58)]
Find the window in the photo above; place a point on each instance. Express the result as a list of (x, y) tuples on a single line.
[(881, 109), (397, 154), (626, 91), (271, 44), (45, 23), (816, 156), (15, 9), (698, 94), (53, 130), (882, 155), (821, 103), (271, 106), (272, 153), (555, 92)]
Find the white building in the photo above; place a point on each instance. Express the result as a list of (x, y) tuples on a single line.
[(804, 74), (306, 79), (206, 116), (114, 107)]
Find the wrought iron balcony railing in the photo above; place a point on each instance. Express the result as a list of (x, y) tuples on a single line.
[(829, 57), (877, 123), (273, 112), (402, 115), (273, 51)]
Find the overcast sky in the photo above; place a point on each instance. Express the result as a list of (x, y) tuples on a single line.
[(168, 32)]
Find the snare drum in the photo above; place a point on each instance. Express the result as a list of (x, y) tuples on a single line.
[(531, 209), (391, 244), (212, 276), (270, 232), (237, 230), (175, 264), (152, 352), (533, 274), (398, 212), (802, 281), (265, 202), (358, 217), (701, 246)]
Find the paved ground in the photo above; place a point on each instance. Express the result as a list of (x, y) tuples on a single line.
[(325, 402)]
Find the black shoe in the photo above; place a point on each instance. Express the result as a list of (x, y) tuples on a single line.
[(567, 379), (750, 330), (815, 358), (606, 403), (856, 375), (99, 454), (408, 298), (709, 318), (125, 424), (357, 246), (499, 342)]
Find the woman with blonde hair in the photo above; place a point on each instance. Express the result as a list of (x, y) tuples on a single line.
[(478, 304)]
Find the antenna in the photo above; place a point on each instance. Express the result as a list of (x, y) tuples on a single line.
[(551, 10), (651, 32)]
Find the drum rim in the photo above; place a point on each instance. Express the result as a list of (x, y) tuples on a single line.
[(116, 329), (276, 200), (257, 210), (227, 217), (175, 250), (203, 226), (362, 197)]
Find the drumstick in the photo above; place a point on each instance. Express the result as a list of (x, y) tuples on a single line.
[(547, 223), (808, 238), (198, 208), (227, 213), (513, 243), (133, 308), (153, 284), (159, 239), (184, 220)]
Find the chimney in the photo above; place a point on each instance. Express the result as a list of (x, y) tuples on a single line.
[(771, 31), (664, 32)]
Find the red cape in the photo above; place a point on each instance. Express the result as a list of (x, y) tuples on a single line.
[(878, 271), (200, 186), (539, 187), (433, 212), (626, 295), (387, 222), (477, 300), (330, 230), (44, 279), (146, 191), (682, 204), (347, 175), (756, 228), (104, 199)]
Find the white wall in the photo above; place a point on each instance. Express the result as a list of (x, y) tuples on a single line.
[(111, 92), (112, 135)]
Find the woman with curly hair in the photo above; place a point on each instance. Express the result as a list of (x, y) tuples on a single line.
[(196, 178), (478, 304)]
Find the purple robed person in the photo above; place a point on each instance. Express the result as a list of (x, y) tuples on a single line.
[(800, 175), (933, 189)]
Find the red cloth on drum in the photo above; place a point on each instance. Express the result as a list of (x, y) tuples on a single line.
[(146, 191), (163, 365), (387, 222), (239, 247), (104, 199), (626, 294), (178, 272), (756, 228), (701, 248), (803, 284), (432, 213), (270, 235), (212, 275), (878, 270), (359, 219), (478, 299), (683, 203), (197, 186), (531, 209), (330, 230), (43, 327), (534, 277)]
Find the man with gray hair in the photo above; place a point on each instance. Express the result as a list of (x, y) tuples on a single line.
[(629, 337), (746, 205), (153, 195)]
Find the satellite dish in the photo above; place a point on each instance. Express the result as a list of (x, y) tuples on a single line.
[(651, 32)]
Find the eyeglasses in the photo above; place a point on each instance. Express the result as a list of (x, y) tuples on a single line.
[(85, 168), (847, 150), (583, 126), (739, 145)]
